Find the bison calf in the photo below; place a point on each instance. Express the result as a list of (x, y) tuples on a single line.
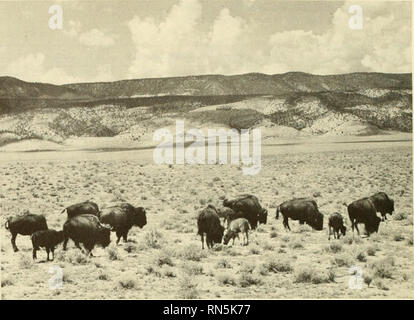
[(336, 222), (208, 222), (47, 239), (240, 225)]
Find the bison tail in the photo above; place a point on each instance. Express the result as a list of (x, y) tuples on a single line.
[(62, 211), (277, 212), (343, 203), (6, 225)]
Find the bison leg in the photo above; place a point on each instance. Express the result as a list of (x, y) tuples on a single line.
[(329, 233), (247, 237), (118, 235), (48, 251), (34, 254), (356, 227), (202, 241), (53, 253), (65, 244), (13, 242), (78, 245), (125, 236), (286, 223)]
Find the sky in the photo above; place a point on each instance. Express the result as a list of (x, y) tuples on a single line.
[(122, 39)]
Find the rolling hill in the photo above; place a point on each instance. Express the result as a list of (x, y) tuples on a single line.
[(285, 104)]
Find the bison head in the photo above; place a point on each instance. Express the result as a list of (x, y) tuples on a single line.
[(343, 230), (373, 226), (228, 236), (262, 217), (217, 235), (139, 217), (104, 236), (317, 222)]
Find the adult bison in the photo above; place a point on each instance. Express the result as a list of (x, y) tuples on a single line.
[(208, 222), (88, 230), (303, 209), (364, 211), (86, 207), (122, 217), (383, 204), (25, 225), (249, 207)]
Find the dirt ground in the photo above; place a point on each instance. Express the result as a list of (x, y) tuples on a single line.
[(164, 260)]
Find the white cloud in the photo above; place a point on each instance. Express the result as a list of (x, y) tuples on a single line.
[(96, 38), (31, 68), (178, 46), (73, 28), (383, 45)]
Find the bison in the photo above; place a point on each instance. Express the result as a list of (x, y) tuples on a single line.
[(86, 207), (47, 239), (249, 207), (208, 222), (122, 217), (25, 225), (303, 209), (364, 211), (336, 222), (383, 204), (86, 229), (240, 225)]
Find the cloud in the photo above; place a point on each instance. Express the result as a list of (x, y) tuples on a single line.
[(177, 45), (73, 30), (95, 38), (31, 68), (383, 45)]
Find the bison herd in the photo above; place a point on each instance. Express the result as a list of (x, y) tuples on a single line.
[(85, 225), (89, 226), (245, 213)]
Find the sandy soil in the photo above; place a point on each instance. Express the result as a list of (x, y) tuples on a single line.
[(164, 259)]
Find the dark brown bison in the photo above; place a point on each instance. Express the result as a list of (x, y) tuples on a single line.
[(47, 239), (249, 207), (364, 211), (336, 223), (25, 225), (240, 225), (86, 207), (303, 209), (88, 230), (208, 223), (122, 217), (383, 204)]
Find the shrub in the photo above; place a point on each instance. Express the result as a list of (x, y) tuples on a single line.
[(225, 278), (193, 268), (223, 263), (103, 276), (372, 249), (398, 237), (342, 260), (383, 268), (273, 234), (5, 281), (150, 269), (164, 258), (152, 239), (188, 288), (127, 281), (25, 261), (273, 265), (192, 253), (247, 279), (254, 250), (296, 245), (361, 256), (168, 272), (113, 252), (306, 274), (367, 278), (130, 247), (400, 216), (334, 247), (77, 257)]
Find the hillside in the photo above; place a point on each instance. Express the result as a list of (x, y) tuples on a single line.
[(290, 104)]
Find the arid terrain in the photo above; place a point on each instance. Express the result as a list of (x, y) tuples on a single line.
[(164, 260)]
